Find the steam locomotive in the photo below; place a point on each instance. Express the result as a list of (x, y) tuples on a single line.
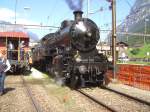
[(70, 53)]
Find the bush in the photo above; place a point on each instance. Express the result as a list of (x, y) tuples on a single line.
[(135, 51)]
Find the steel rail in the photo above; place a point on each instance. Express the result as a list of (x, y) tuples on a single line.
[(34, 101), (96, 101), (128, 96)]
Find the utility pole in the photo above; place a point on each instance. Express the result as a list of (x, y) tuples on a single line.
[(88, 6), (15, 9), (126, 29), (26, 11), (114, 36), (145, 21)]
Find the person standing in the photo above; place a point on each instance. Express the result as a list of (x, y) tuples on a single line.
[(10, 50), (21, 46), (4, 67)]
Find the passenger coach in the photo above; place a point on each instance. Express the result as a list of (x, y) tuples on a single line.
[(15, 47)]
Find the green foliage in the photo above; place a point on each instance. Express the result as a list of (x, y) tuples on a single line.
[(139, 52), (135, 51), (138, 63)]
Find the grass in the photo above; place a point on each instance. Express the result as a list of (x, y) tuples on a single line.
[(61, 93), (141, 52), (135, 62)]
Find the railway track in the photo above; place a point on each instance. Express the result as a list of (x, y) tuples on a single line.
[(128, 96), (29, 93), (110, 107), (96, 101)]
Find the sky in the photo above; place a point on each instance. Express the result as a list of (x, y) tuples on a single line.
[(53, 12)]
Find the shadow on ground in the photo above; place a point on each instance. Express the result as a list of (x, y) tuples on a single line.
[(8, 89)]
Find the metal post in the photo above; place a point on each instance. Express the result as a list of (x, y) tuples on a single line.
[(126, 30), (146, 20), (145, 30), (15, 9), (19, 50), (114, 36), (88, 6), (26, 9), (6, 47)]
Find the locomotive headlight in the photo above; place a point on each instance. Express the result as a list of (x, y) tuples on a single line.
[(89, 34), (82, 69), (81, 26)]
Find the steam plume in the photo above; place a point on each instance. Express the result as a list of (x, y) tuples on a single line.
[(74, 4)]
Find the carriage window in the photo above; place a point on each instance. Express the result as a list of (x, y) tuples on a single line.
[(2, 41)]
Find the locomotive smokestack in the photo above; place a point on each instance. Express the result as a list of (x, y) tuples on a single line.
[(77, 15)]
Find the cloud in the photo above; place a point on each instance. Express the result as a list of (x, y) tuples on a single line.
[(8, 15), (25, 21)]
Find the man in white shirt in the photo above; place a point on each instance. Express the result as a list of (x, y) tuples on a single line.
[(10, 50), (21, 45)]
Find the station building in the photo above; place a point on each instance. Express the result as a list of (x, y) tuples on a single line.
[(121, 49)]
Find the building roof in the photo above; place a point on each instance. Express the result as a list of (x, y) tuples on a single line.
[(122, 43), (14, 34)]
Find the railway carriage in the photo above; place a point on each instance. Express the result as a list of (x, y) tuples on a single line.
[(15, 47)]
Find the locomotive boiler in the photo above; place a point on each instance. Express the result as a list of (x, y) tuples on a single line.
[(70, 54)]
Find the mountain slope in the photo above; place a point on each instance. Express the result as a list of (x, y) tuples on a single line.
[(138, 21)]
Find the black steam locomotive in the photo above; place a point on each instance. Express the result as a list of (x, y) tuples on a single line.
[(70, 54)]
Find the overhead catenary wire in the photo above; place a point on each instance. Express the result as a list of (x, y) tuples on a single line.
[(69, 12), (52, 11), (64, 15), (30, 25), (128, 3), (48, 27)]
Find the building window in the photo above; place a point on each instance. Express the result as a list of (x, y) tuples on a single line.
[(2, 42)]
